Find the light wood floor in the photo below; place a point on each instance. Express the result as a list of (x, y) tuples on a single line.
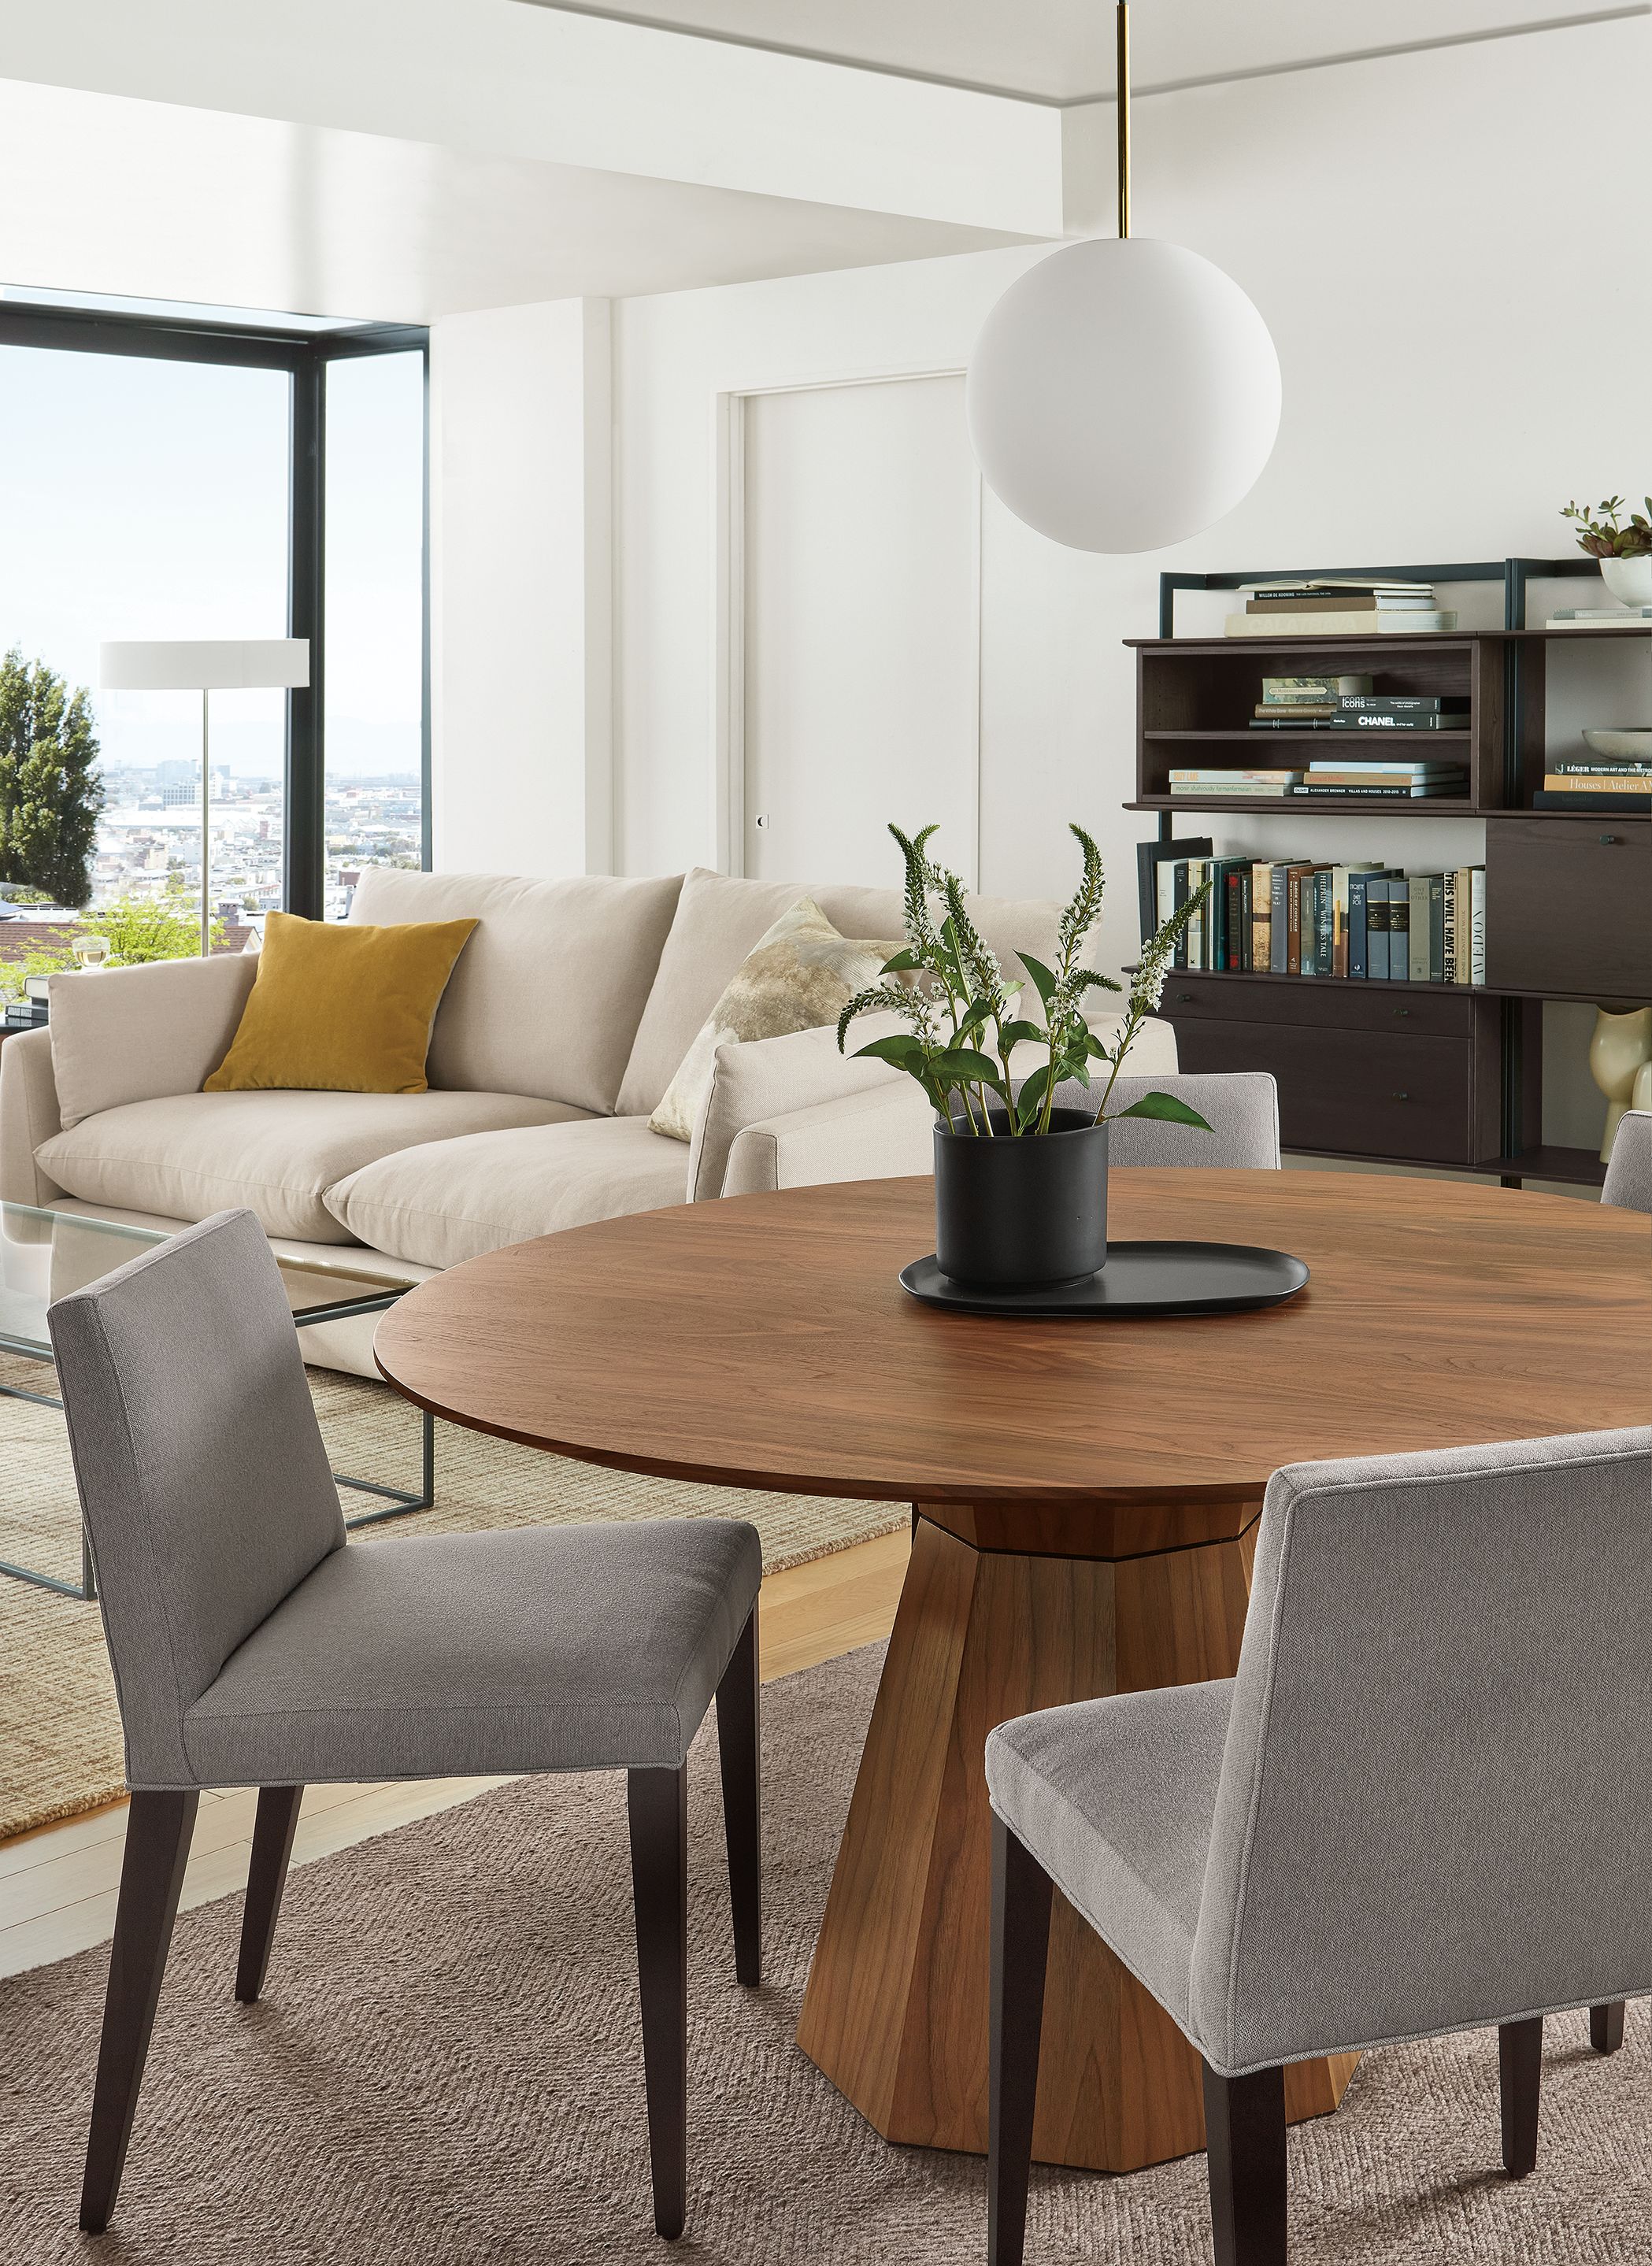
[(57, 1885)]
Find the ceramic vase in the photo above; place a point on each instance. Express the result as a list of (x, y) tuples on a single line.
[(1620, 1049), (1019, 1213)]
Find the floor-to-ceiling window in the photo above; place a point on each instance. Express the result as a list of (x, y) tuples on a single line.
[(375, 691), (182, 474)]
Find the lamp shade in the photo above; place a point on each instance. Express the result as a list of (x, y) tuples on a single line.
[(1122, 395), (203, 664)]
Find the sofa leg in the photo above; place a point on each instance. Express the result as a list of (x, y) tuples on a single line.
[(658, 1804), (1520, 2076), (1021, 1953), (740, 1754), (1244, 2140), (273, 1830), (158, 1833), (1605, 2026)]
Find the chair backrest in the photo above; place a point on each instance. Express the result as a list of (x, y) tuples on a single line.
[(1242, 1108), (1435, 1810), (201, 1471), (1629, 1173)]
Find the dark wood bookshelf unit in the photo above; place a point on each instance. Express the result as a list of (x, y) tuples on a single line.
[(1443, 1075)]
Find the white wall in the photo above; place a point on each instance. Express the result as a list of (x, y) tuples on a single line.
[(1458, 298), (520, 588)]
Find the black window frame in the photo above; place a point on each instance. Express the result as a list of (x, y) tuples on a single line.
[(305, 355)]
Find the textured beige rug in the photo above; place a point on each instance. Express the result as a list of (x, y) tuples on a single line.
[(446, 2071), (60, 1737)]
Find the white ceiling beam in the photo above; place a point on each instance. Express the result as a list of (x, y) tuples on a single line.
[(493, 79)]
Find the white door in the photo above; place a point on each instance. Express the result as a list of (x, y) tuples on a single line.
[(860, 628)]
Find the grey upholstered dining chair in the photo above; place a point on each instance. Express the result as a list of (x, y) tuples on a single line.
[(1422, 1805), (1242, 1108), (1629, 1174), (250, 1648)]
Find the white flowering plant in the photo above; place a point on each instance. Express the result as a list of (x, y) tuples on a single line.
[(966, 1017)]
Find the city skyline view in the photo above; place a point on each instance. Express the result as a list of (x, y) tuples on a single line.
[(156, 494)]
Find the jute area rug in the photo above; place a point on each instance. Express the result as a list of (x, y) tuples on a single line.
[(447, 2071), (60, 1735)]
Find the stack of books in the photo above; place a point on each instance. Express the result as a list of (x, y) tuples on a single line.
[(1305, 703), (24, 1015), (1295, 917), (1391, 779), (1600, 617), (1592, 782), (1336, 606)]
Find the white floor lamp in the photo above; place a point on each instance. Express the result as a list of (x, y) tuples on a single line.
[(204, 665)]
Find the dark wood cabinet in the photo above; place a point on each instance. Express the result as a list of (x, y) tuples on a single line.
[(1569, 905), (1353, 1085)]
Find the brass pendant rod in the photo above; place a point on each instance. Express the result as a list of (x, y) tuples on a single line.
[(1124, 116)]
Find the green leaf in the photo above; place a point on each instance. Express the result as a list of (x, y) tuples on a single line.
[(1166, 1106), (1031, 1095), (1040, 975), (963, 1066), (899, 1048), (1014, 1035), (904, 959)]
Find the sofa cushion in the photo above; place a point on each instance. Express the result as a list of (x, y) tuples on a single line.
[(124, 1035), (454, 1200), (191, 1154), (718, 919), (548, 993)]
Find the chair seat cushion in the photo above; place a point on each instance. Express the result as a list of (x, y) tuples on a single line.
[(546, 1649), (1115, 1798), (456, 1199), (275, 1153)]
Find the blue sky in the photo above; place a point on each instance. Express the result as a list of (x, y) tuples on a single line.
[(149, 500)]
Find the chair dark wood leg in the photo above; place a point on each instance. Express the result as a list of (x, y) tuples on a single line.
[(273, 1833), (1520, 2075), (740, 1753), (157, 1832), (1605, 2026), (1245, 2141), (1021, 1951), (658, 1803)]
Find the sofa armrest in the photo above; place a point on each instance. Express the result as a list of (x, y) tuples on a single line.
[(886, 1133), (122, 1035), (763, 1079), (28, 1117)]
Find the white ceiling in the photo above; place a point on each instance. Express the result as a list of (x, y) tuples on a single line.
[(1062, 50)]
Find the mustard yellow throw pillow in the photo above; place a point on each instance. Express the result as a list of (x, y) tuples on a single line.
[(342, 1005)]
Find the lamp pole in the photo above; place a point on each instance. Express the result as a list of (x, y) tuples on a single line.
[(206, 832), (1124, 116)]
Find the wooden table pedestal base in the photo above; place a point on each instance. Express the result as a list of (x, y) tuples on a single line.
[(895, 2011)]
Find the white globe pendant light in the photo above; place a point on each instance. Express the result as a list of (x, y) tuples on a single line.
[(1123, 394)]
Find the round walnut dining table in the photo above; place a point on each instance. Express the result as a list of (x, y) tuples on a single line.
[(1087, 1495)]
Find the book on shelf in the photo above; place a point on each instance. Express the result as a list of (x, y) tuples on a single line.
[(1617, 619), (1598, 767), (1215, 774), (1361, 881), (1408, 791), (1380, 720), (1288, 711), (1152, 860), (1346, 770), (1323, 691), (1299, 720), (1262, 914), (1620, 806), (1342, 602), (1240, 790), (1403, 704), (1399, 930), (1353, 586), (1342, 624), (1602, 782)]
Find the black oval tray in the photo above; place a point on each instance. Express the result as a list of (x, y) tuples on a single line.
[(1140, 1281)]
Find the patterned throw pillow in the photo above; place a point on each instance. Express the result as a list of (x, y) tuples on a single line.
[(796, 977)]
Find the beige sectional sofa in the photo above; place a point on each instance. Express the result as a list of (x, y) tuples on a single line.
[(569, 1011)]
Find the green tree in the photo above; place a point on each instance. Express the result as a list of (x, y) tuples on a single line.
[(167, 927), (50, 791)]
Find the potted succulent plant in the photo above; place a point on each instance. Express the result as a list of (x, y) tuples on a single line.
[(1624, 552), (1020, 1184)]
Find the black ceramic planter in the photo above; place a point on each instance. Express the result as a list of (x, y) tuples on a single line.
[(1017, 1212)]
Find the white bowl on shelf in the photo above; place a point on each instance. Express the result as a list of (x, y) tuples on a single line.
[(1629, 579), (1618, 746)]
